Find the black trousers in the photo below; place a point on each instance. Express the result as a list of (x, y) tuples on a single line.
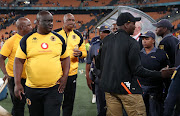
[(69, 96), (93, 88), (44, 101), (18, 105), (173, 98), (100, 99)]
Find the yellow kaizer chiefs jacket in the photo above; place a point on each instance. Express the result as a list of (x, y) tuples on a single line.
[(73, 40)]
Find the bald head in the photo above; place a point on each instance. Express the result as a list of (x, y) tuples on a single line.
[(41, 14), (44, 22), (138, 28), (67, 15), (69, 22), (22, 21), (23, 25)]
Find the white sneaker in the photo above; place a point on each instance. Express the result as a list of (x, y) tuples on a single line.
[(94, 99)]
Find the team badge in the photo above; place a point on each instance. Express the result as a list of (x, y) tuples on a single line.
[(44, 45), (74, 36), (28, 101), (52, 38), (161, 47), (106, 27), (34, 39)]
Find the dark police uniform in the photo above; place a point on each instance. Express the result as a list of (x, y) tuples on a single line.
[(168, 44), (101, 103), (177, 58), (94, 39), (173, 97), (153, 87), (173, 94)]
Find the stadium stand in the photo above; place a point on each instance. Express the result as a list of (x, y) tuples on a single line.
[(88, 13), (88, 19), (97, 3), (175, 23), (157, 15), (165, 1), (74, 3), (81, 19), (58, 3)]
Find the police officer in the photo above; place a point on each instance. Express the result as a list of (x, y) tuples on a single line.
[(152, 59), (173, 96), (94, 39), (168, 44), (169, 41), (95, 73)]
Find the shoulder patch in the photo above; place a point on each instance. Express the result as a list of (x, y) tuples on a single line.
[(63, 41), (161, 47)]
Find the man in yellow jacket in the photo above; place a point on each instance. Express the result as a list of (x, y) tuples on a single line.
[(76, 48)]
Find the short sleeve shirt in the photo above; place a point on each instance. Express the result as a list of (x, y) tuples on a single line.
[(43, 53)]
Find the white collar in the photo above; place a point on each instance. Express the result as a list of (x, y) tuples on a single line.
[(136, 37)]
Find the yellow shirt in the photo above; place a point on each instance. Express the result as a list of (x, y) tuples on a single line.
[(73, 40), (43, 53), (9, 50)]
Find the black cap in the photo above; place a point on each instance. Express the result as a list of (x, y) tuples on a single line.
[(104, 28), (163, 23), (148, 34), (126, 17)]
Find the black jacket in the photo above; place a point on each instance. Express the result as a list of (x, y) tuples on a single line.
[(119, 62)]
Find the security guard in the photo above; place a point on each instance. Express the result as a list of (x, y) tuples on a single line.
[(173, 95), (94, 39), (177, 58), (152, 59), (76, 48), (95, 73), (168, 44)]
